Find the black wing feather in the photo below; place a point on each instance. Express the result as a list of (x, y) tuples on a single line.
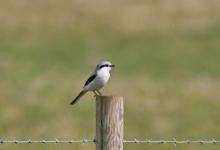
[(90, 80)]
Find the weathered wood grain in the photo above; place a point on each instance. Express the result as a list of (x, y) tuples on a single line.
[(109, 122)]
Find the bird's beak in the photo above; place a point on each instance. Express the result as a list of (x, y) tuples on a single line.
[(112, 66)]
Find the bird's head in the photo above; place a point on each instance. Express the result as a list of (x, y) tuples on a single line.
[(105, 65)]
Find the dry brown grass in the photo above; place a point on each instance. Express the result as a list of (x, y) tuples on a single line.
[(129, 17)]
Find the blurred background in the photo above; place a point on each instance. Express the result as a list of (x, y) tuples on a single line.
[(168, 69)]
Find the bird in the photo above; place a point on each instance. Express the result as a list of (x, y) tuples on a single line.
[(99, 78)]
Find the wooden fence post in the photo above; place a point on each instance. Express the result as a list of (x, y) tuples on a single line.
[(109, 122)]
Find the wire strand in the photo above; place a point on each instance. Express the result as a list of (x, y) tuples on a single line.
[(89, 141)]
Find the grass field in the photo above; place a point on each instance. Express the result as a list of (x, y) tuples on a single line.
[(168, 69)]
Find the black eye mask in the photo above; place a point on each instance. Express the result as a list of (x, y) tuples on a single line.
[(106, 65)]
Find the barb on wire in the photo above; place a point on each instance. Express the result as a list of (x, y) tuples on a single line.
[(87, 141)]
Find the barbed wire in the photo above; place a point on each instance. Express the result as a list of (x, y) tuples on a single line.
[(174, 141), (87, 141), (44, 141)]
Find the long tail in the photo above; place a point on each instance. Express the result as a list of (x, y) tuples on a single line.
[(78, 97)]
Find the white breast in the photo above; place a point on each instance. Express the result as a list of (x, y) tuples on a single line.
[(102, 77)]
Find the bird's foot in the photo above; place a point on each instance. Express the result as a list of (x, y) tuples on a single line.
[(99, 92), (95, 93)]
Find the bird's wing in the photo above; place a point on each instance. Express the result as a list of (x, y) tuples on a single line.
[(91, 78)]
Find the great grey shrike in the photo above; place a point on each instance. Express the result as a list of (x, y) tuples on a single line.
[(97, 80)]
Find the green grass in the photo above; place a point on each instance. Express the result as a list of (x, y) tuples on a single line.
[(168, 69)]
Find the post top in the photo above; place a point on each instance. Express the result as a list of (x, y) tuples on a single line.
[(109, 96)]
